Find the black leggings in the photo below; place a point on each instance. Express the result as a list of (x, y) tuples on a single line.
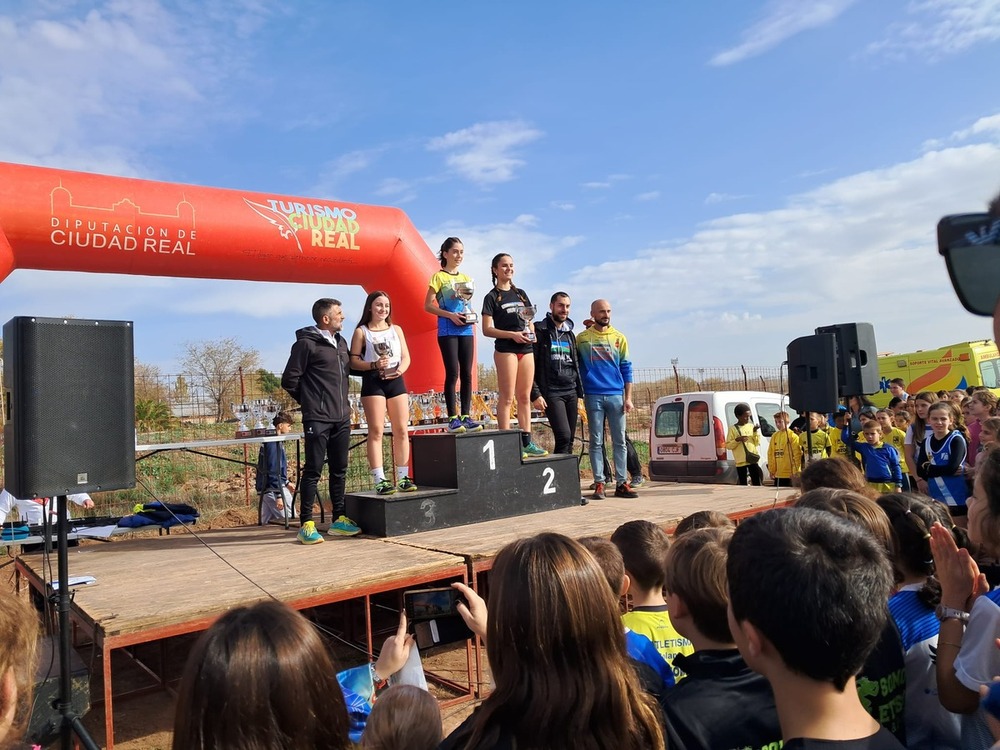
[(457, 351)]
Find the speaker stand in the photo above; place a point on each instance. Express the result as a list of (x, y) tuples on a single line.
[(809, 438), (71, 723)]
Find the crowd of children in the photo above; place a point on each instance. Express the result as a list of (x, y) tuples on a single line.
[(927, 442)]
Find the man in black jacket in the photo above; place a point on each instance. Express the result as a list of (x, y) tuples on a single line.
[(316, 376), (557, 385)]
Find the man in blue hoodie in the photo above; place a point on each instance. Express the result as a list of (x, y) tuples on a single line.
[(317, 377), (606, 372)]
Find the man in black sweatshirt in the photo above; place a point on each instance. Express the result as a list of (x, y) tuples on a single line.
[(557, 385), (316, 376)]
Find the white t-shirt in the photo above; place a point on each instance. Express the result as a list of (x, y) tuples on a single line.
[(978, 662), (29, 511)]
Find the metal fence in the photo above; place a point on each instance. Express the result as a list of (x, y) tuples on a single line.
[(170, 408), (182, 408)]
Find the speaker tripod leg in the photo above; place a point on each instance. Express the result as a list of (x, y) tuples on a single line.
[(70, 722)]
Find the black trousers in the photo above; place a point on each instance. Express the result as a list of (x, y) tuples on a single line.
[(562, 413), (457, 354), (327, 442), (753, 471)]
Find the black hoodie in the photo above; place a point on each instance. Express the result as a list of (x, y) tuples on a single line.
[(556, 371), (317, 376)]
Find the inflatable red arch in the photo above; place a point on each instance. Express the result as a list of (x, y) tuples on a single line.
[(59, 220)]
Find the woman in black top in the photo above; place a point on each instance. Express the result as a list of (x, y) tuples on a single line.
[(514, 358)]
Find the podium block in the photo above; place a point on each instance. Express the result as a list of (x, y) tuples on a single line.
[(467, 479)]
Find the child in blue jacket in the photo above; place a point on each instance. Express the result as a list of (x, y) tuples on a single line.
[(879, 460), (272, 475)]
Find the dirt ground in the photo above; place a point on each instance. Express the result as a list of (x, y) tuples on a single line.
[(144, 721)]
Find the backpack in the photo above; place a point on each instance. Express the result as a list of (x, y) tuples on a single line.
[(632, 463)]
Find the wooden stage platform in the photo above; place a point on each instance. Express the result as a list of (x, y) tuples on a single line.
[(149, 589)]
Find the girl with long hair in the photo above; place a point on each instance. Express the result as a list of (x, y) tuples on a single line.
[(260, 677), (982, 404), (379, 353), (913, 443), (943, 468), (18, 652), (514, 356), (556, 647), (456, 334), (967, 655), (855, 405), (928, 724)]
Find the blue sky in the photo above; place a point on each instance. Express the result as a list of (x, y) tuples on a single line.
[(730, 175)]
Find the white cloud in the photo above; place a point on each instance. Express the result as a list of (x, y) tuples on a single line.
[(399, 190), (563, 205), (535, 252), (938, 28), (749, 283), (782, 20), (607, 182), (93, 89), (713, 198), (486, 152), (740, 318), (334, 173), (652, 195), (984, 126)]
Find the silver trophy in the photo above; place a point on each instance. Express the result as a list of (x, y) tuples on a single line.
[(242, 413), (271, 409), (527, 313), (383, 348), (464, 291), (256, 407)]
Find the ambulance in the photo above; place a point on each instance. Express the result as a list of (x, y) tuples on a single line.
[(948, 368)]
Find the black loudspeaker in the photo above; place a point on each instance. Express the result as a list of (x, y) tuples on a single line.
[(857, 358), (69, 401), (812, 373)]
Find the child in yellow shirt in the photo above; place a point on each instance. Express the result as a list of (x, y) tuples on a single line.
[(784, 456), (815, 443), (838, 448), (644, 547)]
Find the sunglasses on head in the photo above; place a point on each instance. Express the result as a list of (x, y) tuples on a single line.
[(970, 244)]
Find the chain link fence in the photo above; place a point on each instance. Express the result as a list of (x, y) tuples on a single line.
[(185, 409)]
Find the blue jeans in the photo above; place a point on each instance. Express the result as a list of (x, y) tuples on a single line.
[(612, 408)]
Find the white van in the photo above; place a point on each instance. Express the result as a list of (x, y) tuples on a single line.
[(687, 436)]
